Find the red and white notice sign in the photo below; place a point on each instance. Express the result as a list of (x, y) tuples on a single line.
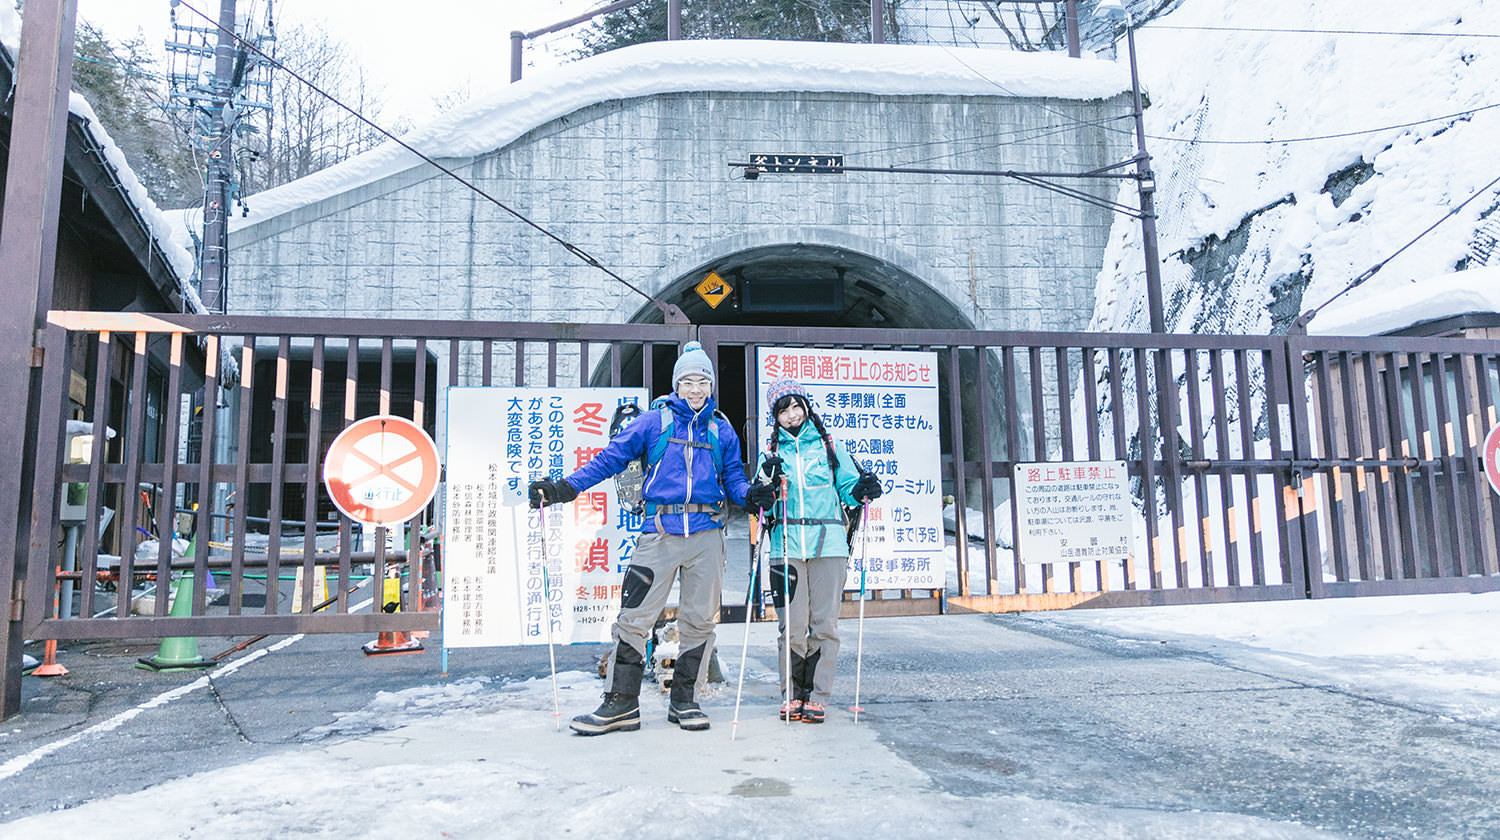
[(382, 470)]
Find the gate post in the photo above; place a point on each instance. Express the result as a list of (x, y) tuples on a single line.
[(1300, 491), (28, 257)]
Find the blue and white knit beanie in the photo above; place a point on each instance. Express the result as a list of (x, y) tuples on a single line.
[(692, 362), (782, 392)]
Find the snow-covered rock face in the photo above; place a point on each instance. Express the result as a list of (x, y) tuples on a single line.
[(1288, 163)]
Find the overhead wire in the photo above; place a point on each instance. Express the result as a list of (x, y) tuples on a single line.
[(566, 245)]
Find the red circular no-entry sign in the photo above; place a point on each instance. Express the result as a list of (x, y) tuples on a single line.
[(381, 470), (1492, 457)]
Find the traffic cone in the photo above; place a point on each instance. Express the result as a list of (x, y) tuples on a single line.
[(49, 666), (178, 653), (392, 641)]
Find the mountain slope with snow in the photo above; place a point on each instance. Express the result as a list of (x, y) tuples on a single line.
[(1289, 162)]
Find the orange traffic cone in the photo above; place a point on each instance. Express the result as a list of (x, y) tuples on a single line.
[(392, 641), (50, 667)]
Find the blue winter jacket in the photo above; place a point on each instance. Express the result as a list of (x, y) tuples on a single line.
[(684, 474)]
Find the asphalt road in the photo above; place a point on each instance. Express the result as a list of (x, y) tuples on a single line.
[(1015, 706)]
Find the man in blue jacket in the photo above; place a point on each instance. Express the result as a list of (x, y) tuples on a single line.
[(685, 492)]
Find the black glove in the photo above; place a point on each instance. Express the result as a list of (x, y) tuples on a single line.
[(760, 497), (771, 467), (550, 493), (867, 488)]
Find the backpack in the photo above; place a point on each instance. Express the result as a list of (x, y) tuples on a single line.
[(631, 481)]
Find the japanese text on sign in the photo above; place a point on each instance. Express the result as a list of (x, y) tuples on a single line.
[(883, 407), (1073, 512), (517, 575)]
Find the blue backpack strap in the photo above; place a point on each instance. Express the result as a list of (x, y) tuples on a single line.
[(664, 437)]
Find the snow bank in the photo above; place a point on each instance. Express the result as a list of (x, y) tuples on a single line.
[(1387, 303)]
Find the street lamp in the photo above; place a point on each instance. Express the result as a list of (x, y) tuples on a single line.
[(1145, 181)]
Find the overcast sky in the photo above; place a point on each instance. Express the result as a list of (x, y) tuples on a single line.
[(415, 49)]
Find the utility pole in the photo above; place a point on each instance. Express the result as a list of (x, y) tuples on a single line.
[(214, 265)]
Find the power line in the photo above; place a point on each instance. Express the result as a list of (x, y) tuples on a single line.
[(1273, 141), (667, 309), (1272, 30)]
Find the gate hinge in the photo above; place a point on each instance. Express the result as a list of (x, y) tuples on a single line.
[(37, 354), (17, 603)]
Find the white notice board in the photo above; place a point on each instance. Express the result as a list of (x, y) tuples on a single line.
[(495, 550), (1073, 512), (883, 406)]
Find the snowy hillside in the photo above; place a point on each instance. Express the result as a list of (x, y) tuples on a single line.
[(1288, 163)]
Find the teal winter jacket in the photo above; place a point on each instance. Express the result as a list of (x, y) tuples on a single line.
[(811, 515)]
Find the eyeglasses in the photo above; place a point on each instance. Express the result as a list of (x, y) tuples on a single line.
[(696, 383)]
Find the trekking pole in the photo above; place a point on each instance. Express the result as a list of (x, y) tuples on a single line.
[(757, 532), (786, 602), (864, 563), (541, 518)]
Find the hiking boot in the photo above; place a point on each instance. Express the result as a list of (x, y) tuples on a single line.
[(812, 713), (687, 715), (618, 711), (791, 710)]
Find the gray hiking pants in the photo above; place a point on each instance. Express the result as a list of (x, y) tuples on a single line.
[(811, 620), (659, 559)]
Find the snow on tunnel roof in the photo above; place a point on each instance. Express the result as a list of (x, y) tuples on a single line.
[(491, 122)]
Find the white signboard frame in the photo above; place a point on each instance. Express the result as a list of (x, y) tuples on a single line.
[(1073, 512), (494, 591), (883, 406)]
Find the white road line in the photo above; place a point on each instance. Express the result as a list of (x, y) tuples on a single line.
[(21, 762)]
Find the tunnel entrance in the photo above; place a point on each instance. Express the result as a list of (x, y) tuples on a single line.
[(794, 285)]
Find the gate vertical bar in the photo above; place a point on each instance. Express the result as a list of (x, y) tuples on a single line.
[(1323, 402), (1199, 479), (1091, 421), (1119, 444), (278, 476), (1227, 513), (203, 527), (1447, 452), (166, 497), (103, 360), (41, 575), (1364, 489), (310, 481), (960, 513), (1253, 518), (1065, 426), (1146, 437), (1288, 387), (986, 466), (241, 490), (1393, 537)]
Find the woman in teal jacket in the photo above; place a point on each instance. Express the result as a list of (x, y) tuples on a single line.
[(808, 542)]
